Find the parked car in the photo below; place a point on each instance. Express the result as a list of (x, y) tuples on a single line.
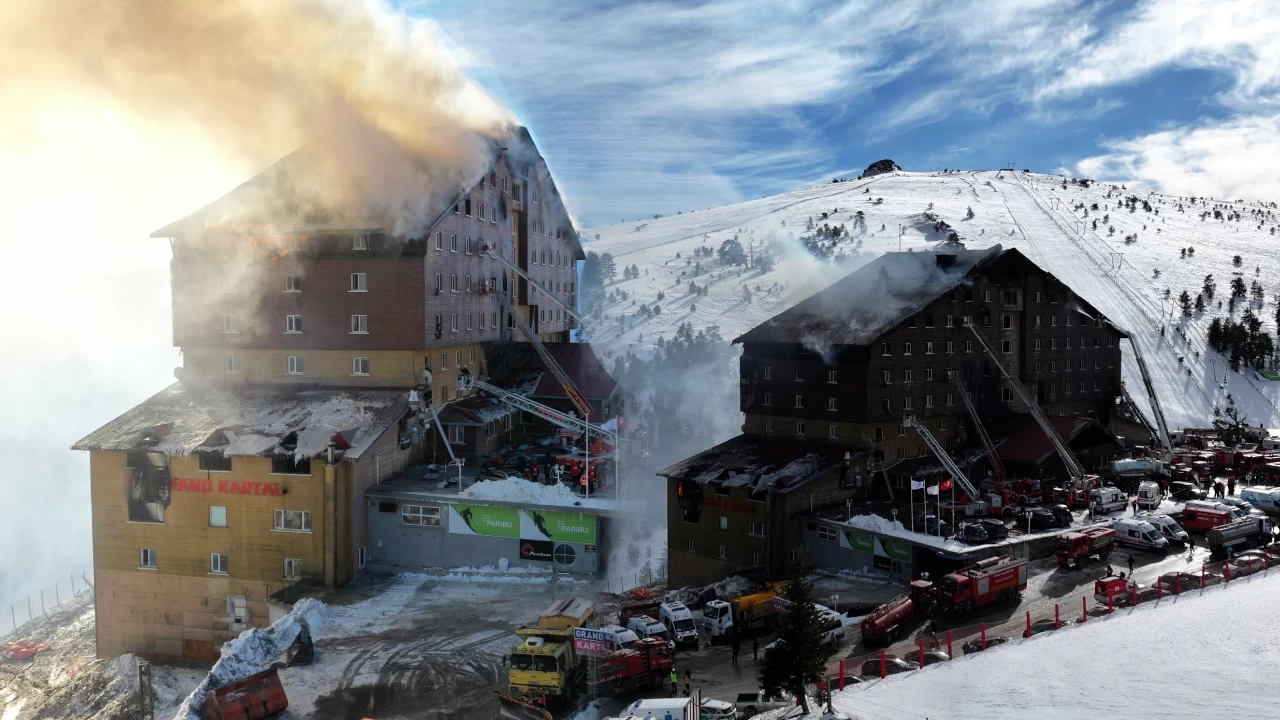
[(1047, 624), (1182, 491), (934, 526), (751, 704), (975, 645), (833, 682), (932, 657), (1248, 507), (892, 666), (717, 710), (996, 530), (972, 533), (1037, 519), (1248, 563)]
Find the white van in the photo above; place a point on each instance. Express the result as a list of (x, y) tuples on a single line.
[(1168, 527), (647, 627), (678, 618), (832, 626), (1149, 495), (1140, 534), (622, 637), (1235, 512), (1266, 499), (1107, 500)]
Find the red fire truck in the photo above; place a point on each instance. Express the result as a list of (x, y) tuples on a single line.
[(644, 664), (1074, 549), (884, 624), (987, 581)]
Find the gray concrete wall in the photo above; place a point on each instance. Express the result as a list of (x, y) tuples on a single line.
[(411, 547), (833, 555)]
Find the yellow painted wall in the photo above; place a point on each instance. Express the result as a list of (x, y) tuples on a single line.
[(387, 368)]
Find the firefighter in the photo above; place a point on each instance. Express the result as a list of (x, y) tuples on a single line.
[(1231, 485), (675, 680), (688, 679), (1130, 566), (736, 647)]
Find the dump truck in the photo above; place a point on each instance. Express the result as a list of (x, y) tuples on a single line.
[(1238, 535), (1075, 549), (645, 664), (256, 697), (991, 580), (750, 611), (546, 665)]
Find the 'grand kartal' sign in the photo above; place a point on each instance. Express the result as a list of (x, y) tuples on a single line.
[(523, 523), (224, 487)]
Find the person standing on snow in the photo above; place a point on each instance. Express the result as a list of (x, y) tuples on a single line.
[(1130, 566)]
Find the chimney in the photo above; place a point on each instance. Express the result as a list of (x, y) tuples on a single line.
[(945, 260)]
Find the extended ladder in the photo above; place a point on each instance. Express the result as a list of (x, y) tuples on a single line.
[(957, 475), (570, 389), (1074, 470), (996, 465), (486, 249), (1151, 394), (467, 381)]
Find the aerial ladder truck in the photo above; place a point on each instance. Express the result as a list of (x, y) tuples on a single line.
[(1079, 483), (1021, 492), (993, 504)]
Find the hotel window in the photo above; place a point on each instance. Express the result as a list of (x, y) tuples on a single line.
[(1037, 296), (911, 321), (291, 520), (831, 404), (439, 240), (293, 323), (1096, 388), (1111, 363), (483, 319), (232, 366), (799, 376), (755, 528), (1006, 395), (902, 430), (453, 322), (1036, 367), (800, 402), (453, 283), (468, 245), (906, 376), (902, 453), (906, 348), (480, 210), (951, 322), (951, 399), (768, 426), (950, 347), (1068, 343), (724, 554), (828, 533), (942, 424), (928, 348), (688, 546), (230, 323), (439, 283), (928, 321), (831, 377), (428, 515), (359, 282), (768, 373), (147, 558), (928, 374), (293, 568), (1053, 366), (466, 207), (906, 403), (360, 324), (1111, 342), (217, 516), (469, 315), (457, 358), (833, 432), (360, 242), (455, 209), (214, 462), (928, 401), (1010, 297), (1053, 321), (1006, 322), (1006, 347), (1053, 343), (886, 407), (359, 366), (768, 399), (884, 349), (1037, 344), (292, 283), (800, 428), (986, 296), (362, 556), (1037, 321), (724, 523), (1080, 366), (468, 285), (453, 243), (294, 366), (218, 564), (444, 361), (887, 378), (879, 433)]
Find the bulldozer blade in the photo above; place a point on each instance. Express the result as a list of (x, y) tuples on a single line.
[(509, 707)]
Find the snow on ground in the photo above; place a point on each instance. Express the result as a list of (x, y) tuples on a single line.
[(1136, 663), (1027, 211)]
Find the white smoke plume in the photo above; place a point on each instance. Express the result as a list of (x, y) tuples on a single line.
[(122, 117)]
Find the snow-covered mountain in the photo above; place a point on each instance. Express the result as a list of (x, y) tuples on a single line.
[(1125, 273)]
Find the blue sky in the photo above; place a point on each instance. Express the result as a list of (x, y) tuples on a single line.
[(654, 107)]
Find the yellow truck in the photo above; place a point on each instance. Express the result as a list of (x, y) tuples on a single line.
[(749, 611), (545, 666)]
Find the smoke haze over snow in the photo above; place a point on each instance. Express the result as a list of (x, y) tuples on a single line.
[(123, 117)]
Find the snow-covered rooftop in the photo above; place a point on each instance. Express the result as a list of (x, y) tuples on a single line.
[(759, 464), (439, 483), (180, 420)]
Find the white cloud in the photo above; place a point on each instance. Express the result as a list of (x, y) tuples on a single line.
[(1230, 159)]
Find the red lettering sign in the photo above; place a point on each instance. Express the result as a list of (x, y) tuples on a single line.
[(225, 487), (728, 505)]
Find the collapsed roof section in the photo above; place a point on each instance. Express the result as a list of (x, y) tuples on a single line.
[(760, 464), (517, 367), (252, 422)]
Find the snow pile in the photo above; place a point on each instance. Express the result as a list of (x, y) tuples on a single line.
[(1073, 673), (508, 579), (730, 587), (893, 528), (254, 651), (517, 490)]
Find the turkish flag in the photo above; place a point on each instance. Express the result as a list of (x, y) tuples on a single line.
[(945, 484)]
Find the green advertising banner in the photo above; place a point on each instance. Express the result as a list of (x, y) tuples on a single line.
[(897, 549), (484, 520), (859, 540), (894, 548), (558, 525)]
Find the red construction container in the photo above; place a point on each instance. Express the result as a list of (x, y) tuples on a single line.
[(253, 698)]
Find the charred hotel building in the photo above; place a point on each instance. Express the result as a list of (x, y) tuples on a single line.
[(824, 388), (302, 331)]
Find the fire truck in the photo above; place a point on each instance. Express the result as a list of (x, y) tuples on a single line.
[(885, 624), (645, 664), (987, 581), (1075, 549)]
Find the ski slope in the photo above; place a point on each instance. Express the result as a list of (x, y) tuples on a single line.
[(1031, 212), (1174, 659)]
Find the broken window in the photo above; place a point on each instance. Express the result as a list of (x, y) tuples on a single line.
[(293, 520), (286, 465), (149, 489), (293, 568), (215, 462)]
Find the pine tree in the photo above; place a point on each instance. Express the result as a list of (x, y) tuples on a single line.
[(1199, 303), (1184, 300), (1210, 287), (1237, 287), (1215, 332), (797, 659)]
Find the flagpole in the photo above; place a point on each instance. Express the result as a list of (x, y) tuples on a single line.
[(912, 484)]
